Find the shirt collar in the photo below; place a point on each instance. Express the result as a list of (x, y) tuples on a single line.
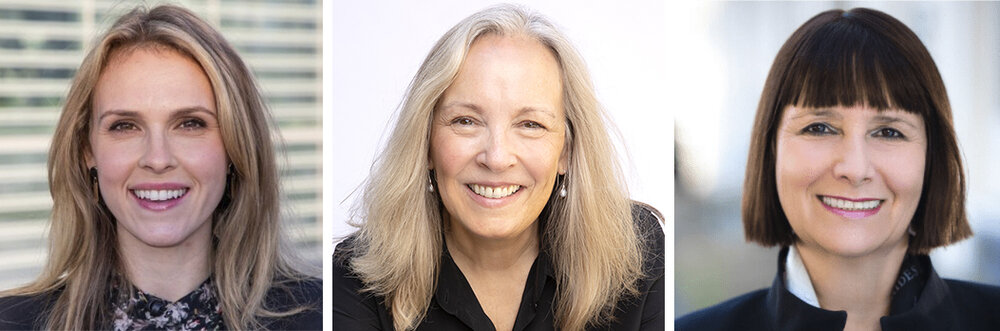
[(919, 301), (797, 278), (456, 297)]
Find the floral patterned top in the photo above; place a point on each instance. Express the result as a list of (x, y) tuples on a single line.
[(198, 310)]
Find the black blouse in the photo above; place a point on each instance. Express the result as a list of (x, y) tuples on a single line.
[(455, 307), (198, 310)]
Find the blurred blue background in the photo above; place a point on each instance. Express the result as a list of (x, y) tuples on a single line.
[(728, 47), (42, 42)]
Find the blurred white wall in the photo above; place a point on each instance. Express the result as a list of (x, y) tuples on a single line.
[(378, 47)]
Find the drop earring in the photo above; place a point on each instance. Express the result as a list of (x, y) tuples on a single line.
[(93, 183), (562, 187), (910, 231), (430, 183), (230, 175)]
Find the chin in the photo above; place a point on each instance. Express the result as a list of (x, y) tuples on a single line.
[(853, 246), (161, 235), (495, 229)]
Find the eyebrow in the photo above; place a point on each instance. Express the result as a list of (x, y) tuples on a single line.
[(174, 113), (477, 109), (888, 119), (818, 112)]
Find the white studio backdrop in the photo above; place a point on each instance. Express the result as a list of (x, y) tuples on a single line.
[(377, 48)]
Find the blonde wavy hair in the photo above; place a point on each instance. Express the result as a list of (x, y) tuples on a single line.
[(595, 247), (249, 255)]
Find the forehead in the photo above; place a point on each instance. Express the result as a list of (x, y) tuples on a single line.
[(507, 71), (151, 79)]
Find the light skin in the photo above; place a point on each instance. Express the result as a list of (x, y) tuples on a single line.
[(154, 128), (849, 181), (501, 125)]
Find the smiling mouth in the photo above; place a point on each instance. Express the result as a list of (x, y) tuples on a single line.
[(850, 205), (494, 192), (159, 195)]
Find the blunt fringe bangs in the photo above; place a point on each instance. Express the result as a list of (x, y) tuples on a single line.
[(858, 57)]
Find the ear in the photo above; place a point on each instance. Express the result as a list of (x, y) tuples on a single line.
[(88, 157), (564, 162)]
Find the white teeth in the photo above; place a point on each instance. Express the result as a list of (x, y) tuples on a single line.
[(851, 205), (159, 195), (494, 192)]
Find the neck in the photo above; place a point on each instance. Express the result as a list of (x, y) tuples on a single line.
[(860, 285), (167, 272), (491, 254)]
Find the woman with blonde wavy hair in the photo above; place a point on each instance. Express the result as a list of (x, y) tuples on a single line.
[(498, 202), (165, 193)]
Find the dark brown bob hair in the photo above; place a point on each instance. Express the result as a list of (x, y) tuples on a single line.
[(857, 57)]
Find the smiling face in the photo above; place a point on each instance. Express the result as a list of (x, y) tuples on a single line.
[(156, 144), (497, 137), (849, 178)]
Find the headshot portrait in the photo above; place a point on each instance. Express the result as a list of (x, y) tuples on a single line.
[(867, 173), (496, 195), (171, 196)]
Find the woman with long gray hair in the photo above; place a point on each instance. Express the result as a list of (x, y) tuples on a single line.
[(498, 202)]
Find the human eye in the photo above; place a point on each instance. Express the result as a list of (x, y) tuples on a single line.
[(818, 129), (192, 123), (531, 125), (121, 126), (889, 133), (463, 121)]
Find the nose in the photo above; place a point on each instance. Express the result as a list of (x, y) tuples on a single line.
[(158, 156), (497, 154), (853, 164)]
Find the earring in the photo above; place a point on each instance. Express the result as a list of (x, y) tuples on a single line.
[(93, 183), (430, 183), (910, 231), (230, 175), (562, 187)]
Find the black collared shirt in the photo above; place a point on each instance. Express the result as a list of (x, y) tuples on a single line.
[(455, 307), (921, 300)]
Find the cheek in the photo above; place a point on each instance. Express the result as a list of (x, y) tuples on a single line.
[(904, 173), (541, 156), (449, 153), (114, 162), (798, 164), (206, 160)]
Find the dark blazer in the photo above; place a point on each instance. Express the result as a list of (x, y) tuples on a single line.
[(454, 305), (922, 301), (30, 312)]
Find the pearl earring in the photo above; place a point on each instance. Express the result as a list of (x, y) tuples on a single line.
[(562, 187), (430, 184)]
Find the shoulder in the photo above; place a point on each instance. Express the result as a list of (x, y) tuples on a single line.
[(23, 312), (304, 294), (975, 298), (344, 276), (739, 313), (649, 222), (353, 307)]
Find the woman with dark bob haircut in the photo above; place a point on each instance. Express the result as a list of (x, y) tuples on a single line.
[(855, 171)]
